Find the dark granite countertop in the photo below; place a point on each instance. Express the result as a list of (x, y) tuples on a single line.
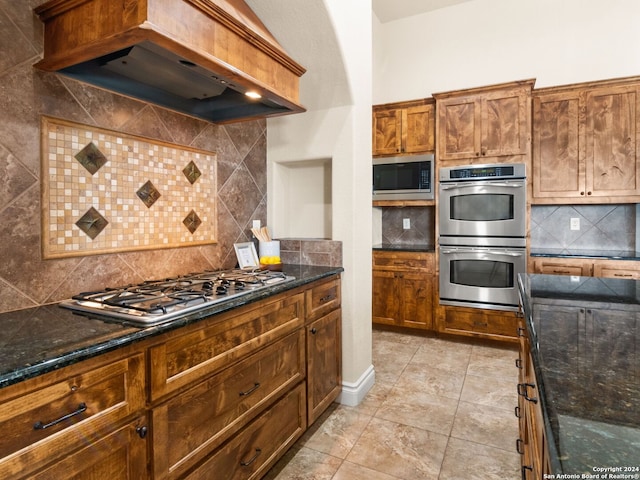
[(596, 254), (405, 247), (585, 345), (37, 340)]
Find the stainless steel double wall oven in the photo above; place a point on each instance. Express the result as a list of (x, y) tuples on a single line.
[(482, 212)]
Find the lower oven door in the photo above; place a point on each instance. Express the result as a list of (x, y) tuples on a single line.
[(482, 277)]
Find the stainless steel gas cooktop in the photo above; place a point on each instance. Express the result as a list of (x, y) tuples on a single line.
[(154, 302)]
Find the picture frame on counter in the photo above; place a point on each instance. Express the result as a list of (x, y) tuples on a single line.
[(246, 255)]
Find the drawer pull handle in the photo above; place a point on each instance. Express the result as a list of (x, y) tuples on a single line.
[(41, 426), (480, 324), (251, 390), (517, 411), (519, 445), (522, 391), (622, 275), (326, 298), (246, 463), (523, 471), (519, 363)]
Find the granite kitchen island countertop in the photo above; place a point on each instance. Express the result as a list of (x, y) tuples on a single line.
[(585, 347), (38, 340)]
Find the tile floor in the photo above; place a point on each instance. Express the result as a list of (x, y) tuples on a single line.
[(440, 409)]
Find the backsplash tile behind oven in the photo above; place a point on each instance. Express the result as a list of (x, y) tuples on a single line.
[(602, 227)]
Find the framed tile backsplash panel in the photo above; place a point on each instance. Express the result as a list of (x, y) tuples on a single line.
[(105, 192)]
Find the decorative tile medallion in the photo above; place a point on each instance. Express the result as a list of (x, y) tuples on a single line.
[(148, 194), (133, 169), (91, 158), (192, 221), (92, 223), (192, 172)]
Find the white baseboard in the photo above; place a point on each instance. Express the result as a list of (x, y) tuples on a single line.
[(353, 393)]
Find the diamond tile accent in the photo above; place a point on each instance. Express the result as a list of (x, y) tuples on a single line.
[(192, 221), (148, 193), (192, 172), (91, 158), (92, 223)]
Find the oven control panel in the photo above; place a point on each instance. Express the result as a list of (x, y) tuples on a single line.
[(483, 172)]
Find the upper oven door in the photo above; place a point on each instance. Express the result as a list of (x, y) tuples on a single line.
[(483, 208)]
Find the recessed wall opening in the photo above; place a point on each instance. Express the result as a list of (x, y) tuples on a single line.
[(302, 199)]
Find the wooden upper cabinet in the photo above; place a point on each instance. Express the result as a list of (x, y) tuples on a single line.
[(612, 141), (404, 128), (556, 143), (490, 122), (585, 143)]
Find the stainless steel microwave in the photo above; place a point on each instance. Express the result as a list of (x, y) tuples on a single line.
[(403, 178)]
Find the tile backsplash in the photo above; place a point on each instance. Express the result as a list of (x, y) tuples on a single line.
[(142, 194), (26, 278), (421, 221), (602, 227)]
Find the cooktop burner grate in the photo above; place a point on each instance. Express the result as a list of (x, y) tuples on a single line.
[(157, 301)]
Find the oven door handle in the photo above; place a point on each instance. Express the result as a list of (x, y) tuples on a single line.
[(489, 252), (481, 184)]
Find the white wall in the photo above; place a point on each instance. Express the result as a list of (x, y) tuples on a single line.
[(484, 42), (343, 134)]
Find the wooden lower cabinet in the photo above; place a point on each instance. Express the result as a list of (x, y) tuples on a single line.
[(236, 391), (403, 289), (625, 269), (562, 266), (54, 421), (531, 443), (324, 363), (255, 449), (209, 413), (220, 398), (476, 322), (120, 455)]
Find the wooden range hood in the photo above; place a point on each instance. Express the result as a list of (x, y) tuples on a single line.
[(198, 57)]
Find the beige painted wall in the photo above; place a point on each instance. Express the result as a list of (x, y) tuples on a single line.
[(483, 42)]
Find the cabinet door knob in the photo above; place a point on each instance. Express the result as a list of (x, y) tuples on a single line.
[(142, 431), (314, 331)]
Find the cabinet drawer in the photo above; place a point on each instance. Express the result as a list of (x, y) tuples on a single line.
[(252, 452), (206, 415), (626, 270), (121, 455), (403, 261), (563, 267), (225, 339), (323, 298), (477, 321), (50, 416)]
